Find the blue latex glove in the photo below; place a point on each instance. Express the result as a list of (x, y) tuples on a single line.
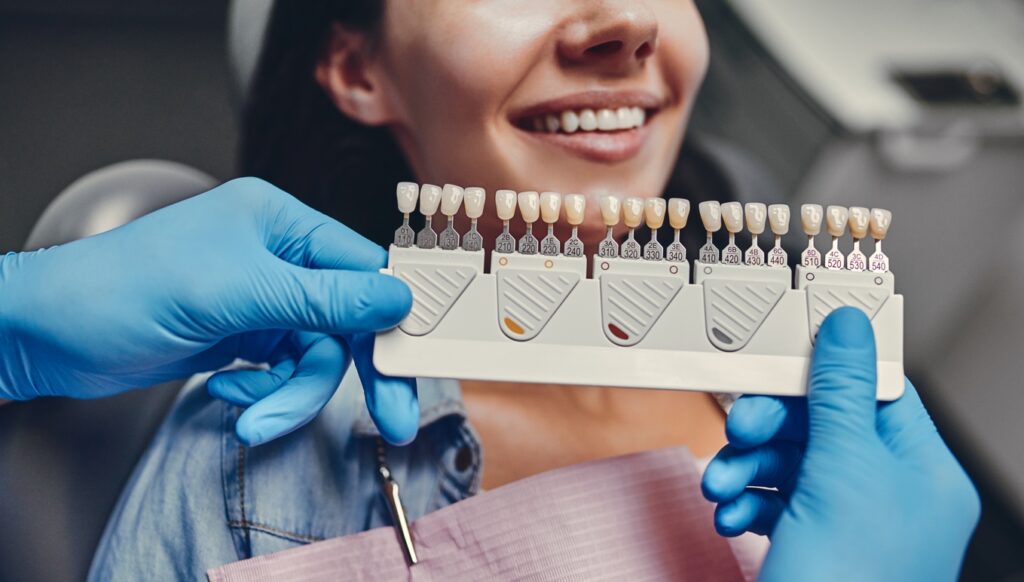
[(243, 271), (865, 491)]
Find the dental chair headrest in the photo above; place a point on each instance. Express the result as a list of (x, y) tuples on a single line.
[(114, 195), (247, 26)]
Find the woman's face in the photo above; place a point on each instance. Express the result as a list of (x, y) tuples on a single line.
[(473, 85)]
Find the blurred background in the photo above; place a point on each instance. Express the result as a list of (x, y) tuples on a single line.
[(913, 105)]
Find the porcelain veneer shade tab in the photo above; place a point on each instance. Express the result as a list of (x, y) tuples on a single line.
[(451, 199), (430, 199), (550, 207), (408, 194), (811, 216), (611, 210), (881, 220), (836, 219), (757, 215), (474, 199), (654, 212), (778, 218), (678, 212), (711, 215), (732, 216), (860, 219), (505, 203), (633, 211), (575, 208), (529, 206)]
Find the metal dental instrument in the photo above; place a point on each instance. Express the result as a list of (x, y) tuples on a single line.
[(389, 488)]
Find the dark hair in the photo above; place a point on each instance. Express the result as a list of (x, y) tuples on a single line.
[(295, 137)]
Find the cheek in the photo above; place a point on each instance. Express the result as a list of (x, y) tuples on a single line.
[(457, 72), (683, 50)]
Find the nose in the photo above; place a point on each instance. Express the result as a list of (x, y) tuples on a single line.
[(614, 35)]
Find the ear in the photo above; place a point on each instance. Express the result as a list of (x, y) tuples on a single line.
[(345, 71)]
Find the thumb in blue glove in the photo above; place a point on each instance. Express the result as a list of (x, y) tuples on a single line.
[(243, 271), (846, 488)]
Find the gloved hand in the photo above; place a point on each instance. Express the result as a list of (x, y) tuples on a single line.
[(243, 271), (865, 491)]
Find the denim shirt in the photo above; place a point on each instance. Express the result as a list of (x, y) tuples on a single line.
[(199, 498)]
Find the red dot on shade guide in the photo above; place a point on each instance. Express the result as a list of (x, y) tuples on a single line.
[(617, 332)]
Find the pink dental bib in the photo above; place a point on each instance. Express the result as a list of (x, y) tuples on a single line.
[(637, 517)]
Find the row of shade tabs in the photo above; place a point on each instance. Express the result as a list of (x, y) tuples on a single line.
[(548, 207)]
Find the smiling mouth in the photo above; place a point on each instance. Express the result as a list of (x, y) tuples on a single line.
[(598, 126)]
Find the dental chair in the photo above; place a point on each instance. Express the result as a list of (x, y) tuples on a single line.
[(63, 462)]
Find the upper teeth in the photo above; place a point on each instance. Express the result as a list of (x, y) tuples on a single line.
[(592, 120)]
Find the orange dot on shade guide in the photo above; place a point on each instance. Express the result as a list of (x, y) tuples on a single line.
[(513, 326)]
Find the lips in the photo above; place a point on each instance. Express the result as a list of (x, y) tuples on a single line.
[(605, 127)]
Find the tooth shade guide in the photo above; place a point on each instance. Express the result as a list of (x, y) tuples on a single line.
[(575, 206), (451, 202), (834, 258), (430, 200), (777, 257), (859, 219), (811, 216), (754, 256), (784, 342), (505, 205), (633, 214), (407, 194), (711, 216), (810, 258), (678, 213), (654, 215), (880, 222)]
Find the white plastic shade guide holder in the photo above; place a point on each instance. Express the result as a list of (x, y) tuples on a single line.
[(636, 321), (634, 296), (829, 290), (531, 288), (738, 300), (437, 280), (676, 352)]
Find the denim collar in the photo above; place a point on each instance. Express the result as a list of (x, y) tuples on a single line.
[(439, 398)]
